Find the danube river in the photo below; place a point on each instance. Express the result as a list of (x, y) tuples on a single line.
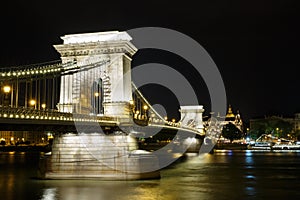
[(221, 175)]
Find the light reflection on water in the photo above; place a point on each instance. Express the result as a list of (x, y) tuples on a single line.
[(49, 194), (222, 175)]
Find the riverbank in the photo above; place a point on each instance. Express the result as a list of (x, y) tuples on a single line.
[(195, 149), (149, 147), (231, 146), (25, 148)]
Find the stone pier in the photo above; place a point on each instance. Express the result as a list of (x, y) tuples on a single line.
[(98, 156)]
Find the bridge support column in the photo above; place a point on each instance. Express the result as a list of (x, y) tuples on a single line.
[(121, 110), (66, 100), (98, 156)]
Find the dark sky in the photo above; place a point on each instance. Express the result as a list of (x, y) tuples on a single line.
[(255, 44)]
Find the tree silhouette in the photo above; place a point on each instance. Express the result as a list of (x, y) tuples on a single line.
[(275, 126), (231, 132)]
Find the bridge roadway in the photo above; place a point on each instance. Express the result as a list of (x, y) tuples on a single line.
[(25, 119)]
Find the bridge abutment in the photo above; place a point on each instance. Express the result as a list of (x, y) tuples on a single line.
[(97, 156)]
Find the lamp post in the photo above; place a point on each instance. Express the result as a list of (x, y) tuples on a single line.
[(137, 114), (43, 106), (96, 106), (132, 107), (131, 103), (6, 90), (32, 102), (166, 118), (145, 107)]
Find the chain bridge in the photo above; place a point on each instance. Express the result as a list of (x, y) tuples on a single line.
[(90, 86)]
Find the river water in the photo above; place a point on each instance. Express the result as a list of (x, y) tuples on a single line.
[(221, 175)]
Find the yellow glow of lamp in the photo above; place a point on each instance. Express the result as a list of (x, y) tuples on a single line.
[(32, 102), (6, 89), (131, 102), (145, 107), (43, 105), (97, 94)]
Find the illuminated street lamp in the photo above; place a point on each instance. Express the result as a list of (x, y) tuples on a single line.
[(32, 102), (44, 106), (145, 107), (97, 94), (137, 114), (131, 102), (6, 90), (131, 105)]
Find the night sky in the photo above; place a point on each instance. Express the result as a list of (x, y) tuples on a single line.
[(255, 44)]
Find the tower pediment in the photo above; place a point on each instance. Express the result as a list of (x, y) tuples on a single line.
[(87, 44), (96, 37)]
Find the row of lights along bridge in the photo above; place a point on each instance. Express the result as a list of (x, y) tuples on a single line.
[(7, 98)]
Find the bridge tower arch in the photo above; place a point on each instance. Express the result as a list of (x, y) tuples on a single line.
[(106, 56), (97, 97)]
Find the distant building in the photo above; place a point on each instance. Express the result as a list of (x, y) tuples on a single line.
[(233, 118), (19, 137), (230, 117), (295, 121)]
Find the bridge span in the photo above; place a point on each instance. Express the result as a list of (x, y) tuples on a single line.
[(84, 92)]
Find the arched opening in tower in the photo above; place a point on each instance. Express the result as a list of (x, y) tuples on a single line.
[(97, 97)]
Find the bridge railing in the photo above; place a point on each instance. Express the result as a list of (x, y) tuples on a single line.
[(153, 118), (42, 69), (22, 113), (31, 70), (170, 124), (33, 114)]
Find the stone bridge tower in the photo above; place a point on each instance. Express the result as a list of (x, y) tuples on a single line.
[(98, 85), (191, 116)]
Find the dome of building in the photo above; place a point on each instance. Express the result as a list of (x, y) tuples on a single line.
[(229, 116)]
